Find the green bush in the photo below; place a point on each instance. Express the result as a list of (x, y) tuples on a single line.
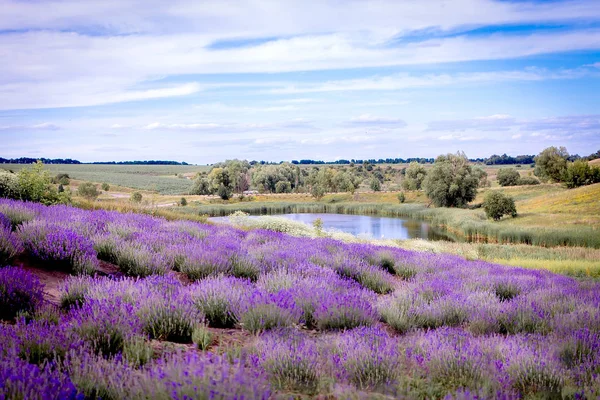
[(183, 202), (9, 185), (508, 177), (375, 185), (401, 197), (62, 179), (136, 197), (105, 187), (528, 180), (579, 173), (497, 204), (88, 191), (35, 184)]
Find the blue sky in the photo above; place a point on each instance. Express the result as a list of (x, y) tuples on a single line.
[(279, 80)]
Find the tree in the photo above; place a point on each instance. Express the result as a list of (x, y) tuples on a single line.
[(497, 204), (201, 186), (88, 191), (62, 179), (482, 177), (508, 177), (451, 182), (414, 176), (579, 173), (551, 164), (136, 197), (317, 191), (375, 185), (224, 192), (283, 187)]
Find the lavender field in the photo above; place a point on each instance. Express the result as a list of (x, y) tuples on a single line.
[(154, 309)]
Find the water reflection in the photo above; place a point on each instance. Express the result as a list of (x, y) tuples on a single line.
[(372, 226)]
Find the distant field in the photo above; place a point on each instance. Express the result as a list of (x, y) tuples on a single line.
[(160, 178)]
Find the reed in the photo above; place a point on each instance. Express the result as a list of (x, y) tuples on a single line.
[(465, 224)]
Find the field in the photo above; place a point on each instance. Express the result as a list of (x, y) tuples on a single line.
[(179, 309), (163, 179)]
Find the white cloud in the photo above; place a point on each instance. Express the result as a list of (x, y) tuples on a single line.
[(368, 120), (45, 126), (59, 69), (251, 18)]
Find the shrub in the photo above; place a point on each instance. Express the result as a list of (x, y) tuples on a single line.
[(530, 377), (172, 319), (137, 351), (218, 299), (10, 244), (528, 180), (291, 360), (375, 185), (183, 202), (62, 179), (369, 357), (508, 177), (35, 184), (136, 260), (451, 182), (65, 247), (9, 185), (369, 276), (264, 311), (105, 324), (579, 173), (401, 197), (136, 197), (20, 291), (343, 311), (264, 317), (74, 292), (41, 342), (22, 380), (105, 186), (88, 191), (497, 204)]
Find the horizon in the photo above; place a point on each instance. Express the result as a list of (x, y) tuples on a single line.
[(129, 80)]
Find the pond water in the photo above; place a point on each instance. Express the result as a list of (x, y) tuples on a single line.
[(372, 226)]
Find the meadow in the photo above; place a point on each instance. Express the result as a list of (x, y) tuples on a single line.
[(137, 306), (163, 179)]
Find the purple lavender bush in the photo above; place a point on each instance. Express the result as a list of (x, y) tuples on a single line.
[(65, 248), (10, 244), (20, 292)]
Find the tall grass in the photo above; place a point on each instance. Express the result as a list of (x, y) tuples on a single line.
[(464, 224)]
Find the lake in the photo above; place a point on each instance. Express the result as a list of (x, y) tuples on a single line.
[(373, 226)]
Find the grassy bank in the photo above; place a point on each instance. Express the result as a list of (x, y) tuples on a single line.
[(470, 225)]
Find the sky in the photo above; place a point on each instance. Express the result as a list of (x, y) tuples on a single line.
[(205, 81)]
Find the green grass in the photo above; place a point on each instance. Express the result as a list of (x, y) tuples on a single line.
[(159, 178)]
